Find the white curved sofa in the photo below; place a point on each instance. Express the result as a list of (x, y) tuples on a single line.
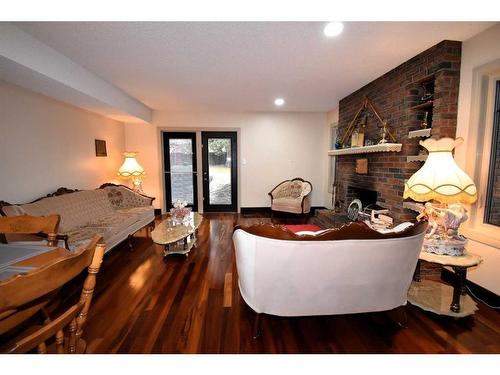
[(353, 269)]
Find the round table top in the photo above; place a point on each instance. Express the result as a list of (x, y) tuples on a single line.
[(466, 260), (170, 231)]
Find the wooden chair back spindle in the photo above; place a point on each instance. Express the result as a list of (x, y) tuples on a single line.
[(22, 291)]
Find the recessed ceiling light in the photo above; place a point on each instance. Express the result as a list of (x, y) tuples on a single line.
[(333, 29), (279, 102)]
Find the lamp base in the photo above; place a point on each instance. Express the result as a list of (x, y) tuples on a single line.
[(137, 185), (442, 237), (445, 246)]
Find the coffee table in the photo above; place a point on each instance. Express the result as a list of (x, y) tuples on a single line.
[(178, 237)]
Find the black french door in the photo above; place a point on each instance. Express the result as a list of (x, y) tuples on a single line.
[(180, 172), (219, 172)]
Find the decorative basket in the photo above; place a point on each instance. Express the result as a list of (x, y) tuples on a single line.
[(180, 213)]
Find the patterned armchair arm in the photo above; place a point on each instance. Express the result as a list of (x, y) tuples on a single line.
[(121, 196), (306, 189)]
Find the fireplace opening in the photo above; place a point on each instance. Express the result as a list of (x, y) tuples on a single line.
[(366, 196)]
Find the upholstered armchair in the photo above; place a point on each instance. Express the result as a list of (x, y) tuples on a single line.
[(291, 196)]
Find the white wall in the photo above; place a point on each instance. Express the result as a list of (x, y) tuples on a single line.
[(275, 146), (478, 51), (46, 144), (331, 117)]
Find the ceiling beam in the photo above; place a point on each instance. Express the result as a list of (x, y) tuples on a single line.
[(29, 63)]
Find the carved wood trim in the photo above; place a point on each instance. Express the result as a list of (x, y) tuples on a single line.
[(58, 192), (108, 184), (293, 179), (26, 224), (352, 231), (64, 190), (2, 205)]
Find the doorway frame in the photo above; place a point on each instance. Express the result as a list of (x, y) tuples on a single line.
[(198, 130), (167, 179), (233, 136)]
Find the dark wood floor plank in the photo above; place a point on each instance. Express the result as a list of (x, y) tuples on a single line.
[(144, 303)]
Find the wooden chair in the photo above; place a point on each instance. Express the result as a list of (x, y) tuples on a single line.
[(45, 226), (22, 293)]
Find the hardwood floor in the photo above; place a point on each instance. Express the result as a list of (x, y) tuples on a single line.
[(145, 304)]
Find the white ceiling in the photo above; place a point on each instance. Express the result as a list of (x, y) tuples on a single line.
[(242, 66)]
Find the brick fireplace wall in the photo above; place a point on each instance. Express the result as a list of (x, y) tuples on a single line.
[(393, 94)]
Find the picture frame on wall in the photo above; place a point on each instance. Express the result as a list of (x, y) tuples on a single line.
[(100, 148)]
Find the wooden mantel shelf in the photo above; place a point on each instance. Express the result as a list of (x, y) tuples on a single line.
[(385, 147)]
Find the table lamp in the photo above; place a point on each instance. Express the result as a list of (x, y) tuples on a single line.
[(441, 181), (132, 169)]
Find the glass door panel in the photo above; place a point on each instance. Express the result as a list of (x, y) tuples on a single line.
[(180, 168), (219, 171)]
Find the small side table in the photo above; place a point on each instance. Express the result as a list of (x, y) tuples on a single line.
[(440, 298)]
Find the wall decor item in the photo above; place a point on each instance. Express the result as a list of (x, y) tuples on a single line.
[(362, 166), (352, 128), (383, 133), (354, 138), (425, 121), (100, 147), (361, 131), (427, 91)]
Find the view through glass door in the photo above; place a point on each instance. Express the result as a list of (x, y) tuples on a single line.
[(219, 172), (179, 153)]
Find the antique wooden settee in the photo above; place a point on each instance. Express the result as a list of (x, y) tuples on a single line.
[(114, 212)]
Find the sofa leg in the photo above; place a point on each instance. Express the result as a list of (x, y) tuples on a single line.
[(257, 326), (150, 228), (129, 242), (305, 218), (401, 317)]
